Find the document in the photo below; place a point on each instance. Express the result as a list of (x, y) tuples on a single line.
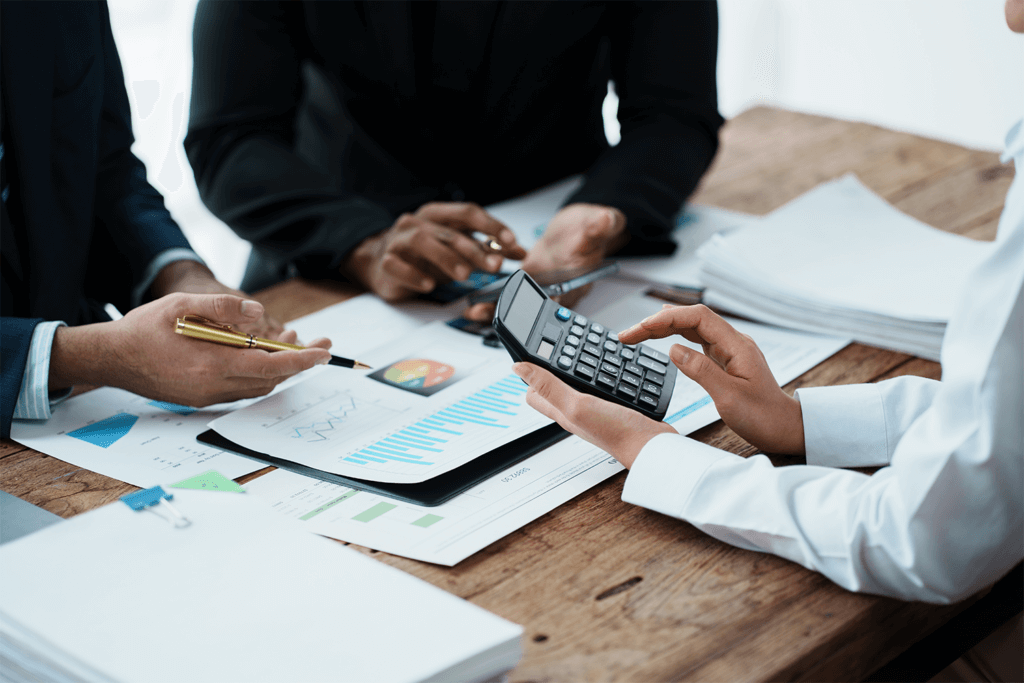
[(241, 594), (435, 399), (130, 438), (449, 533)]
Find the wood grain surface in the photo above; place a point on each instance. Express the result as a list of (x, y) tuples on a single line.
[(611, 592)]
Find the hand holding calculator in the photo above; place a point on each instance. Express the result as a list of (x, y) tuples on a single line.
[(582, 354)]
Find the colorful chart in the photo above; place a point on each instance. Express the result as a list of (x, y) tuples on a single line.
[(106, 432), (172, 407), (418, 375)]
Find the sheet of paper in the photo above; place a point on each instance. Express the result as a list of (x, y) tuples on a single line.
[(240, 595), (435, 399), (448, 533), (130, 438)]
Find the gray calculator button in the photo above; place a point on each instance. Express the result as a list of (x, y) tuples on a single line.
[(651, 388), (585, 371), (569, 350), (597, 329), (613, 336), (575, 341), (648, 363), (580, 320), (656, 355), (594, 338), (632, 380), (577, 330), (589, 360), (609, 368), (655, 379), (614, 360), (648, 400), (564, 362), (591, 349), (610, 346), (606, 381), (551, 333), (626, 353), (627, 391), (635, 369)]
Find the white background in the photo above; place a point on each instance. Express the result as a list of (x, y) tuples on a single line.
[(948, 69)]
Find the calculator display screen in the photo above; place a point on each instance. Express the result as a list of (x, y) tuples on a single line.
[(523, 311)]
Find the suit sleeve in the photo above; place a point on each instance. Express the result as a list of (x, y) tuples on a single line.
[(131, 218), (663, 59), (15, 341), (246, 89)]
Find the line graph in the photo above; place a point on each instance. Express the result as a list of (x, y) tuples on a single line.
[(334, 416)]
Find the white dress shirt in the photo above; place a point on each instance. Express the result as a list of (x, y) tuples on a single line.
[(945, 517)]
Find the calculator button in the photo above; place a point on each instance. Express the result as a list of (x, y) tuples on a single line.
[(610, 346), (576, 330), (563, 313), (569, 350), (635, 369), (551, 333), (626, 353), (614, 360), (564, 362), (580, 320), (594, 338), (645, 362), (631, 380), (651, 388), (627, 391), (609, 368), (591, 349), (589, 360), (585, 371), (613, 336), (575, 341), (606, 381), (655, 379), (597, 329), (648, 400), (656, 355)]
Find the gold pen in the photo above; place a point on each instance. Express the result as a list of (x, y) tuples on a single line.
[(198, 327)]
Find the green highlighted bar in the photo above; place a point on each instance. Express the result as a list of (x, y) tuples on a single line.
[(427, 520), (374, 512), (327, 506)]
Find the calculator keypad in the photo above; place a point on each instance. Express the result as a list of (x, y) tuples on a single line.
[(589, 351)]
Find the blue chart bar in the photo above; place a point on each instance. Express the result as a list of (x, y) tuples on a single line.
[(489, 407)]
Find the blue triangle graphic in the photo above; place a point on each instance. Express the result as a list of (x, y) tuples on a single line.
[(106, 432), (172, 407)]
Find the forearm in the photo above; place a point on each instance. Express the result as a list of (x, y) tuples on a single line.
[(86, 354)]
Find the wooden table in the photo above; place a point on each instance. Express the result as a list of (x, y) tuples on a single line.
[(609, 591)]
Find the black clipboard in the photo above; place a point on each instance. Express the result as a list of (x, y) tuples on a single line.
[(429, 493)]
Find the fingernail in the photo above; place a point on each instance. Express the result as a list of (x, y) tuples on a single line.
[(324, 361), (681, 351), (426, 283), (462, 272), (521, 369), (493, 261), (252, 309), (508, 237)]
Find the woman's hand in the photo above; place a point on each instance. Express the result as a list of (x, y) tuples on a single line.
[(613, 428), (733, 371)]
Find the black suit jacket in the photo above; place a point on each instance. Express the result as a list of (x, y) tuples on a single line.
[(315, 124), (81, 223)]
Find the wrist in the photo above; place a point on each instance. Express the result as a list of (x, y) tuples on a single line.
[(357, 265), (183, 276), (82, 355)]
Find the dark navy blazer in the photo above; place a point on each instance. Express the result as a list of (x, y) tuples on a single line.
[(81, 223)]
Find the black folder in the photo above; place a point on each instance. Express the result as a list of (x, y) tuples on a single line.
[(431, 492)]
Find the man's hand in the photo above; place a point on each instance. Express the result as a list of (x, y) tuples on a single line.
[(143, 354), (613, 428), (433, 245), (733, 371), (192, 277), (579, 236)]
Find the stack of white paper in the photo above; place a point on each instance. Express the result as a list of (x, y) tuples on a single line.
[(840, 260), (240, 595)]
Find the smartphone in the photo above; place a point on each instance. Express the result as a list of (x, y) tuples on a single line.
[(554, 282), (581, 353)]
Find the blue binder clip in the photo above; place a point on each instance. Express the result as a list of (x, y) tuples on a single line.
[(147, 499)]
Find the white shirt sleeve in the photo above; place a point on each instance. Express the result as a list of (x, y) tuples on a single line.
[(945, 518)]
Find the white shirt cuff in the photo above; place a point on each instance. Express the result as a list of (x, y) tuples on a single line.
[(844, 426), (35, 401), (159, 262), (666, 472)]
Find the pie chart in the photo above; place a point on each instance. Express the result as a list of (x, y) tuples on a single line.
[(418, 373)]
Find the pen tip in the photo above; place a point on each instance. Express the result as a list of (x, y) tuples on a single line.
[(361, 366)]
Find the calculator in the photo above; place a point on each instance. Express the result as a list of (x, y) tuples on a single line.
[(581, 353)]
